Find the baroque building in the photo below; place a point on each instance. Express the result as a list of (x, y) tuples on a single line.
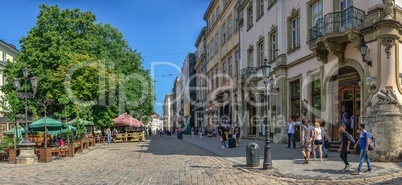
[(334, 60)]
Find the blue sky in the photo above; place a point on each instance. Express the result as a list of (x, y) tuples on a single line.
[(163, 31)]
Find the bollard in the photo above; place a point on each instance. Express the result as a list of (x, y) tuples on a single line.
[(253, 155)]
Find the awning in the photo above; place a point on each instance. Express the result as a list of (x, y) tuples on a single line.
[(127, 120)]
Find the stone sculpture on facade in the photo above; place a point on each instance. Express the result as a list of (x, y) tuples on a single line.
[(387, 97), (388, 8)]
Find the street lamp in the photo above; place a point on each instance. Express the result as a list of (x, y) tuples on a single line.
[(27, 155), (266, 69), (363, 49)]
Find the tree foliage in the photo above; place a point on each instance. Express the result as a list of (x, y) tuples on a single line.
[(80, 63)]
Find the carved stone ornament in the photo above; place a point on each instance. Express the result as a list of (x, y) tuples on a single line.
[(355, 40), (388, 42), (322, 56), (387, 97), (337, 49), (388, 8)]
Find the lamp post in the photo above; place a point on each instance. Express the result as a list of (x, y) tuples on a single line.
[(266, 69), (27, 155)]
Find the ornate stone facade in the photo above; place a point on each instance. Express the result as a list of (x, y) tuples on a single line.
[(384, 122)]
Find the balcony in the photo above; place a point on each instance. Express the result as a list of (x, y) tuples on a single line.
[(248, 73), (332, 33)]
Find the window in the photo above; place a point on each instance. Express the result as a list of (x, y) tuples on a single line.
[(295, 100), (230, 29), (346, 15), (237, 55), (293, 39), (212, 80), (261, 52), (273, 45), (260, 9), (216, 43), (316, 12), (224, 68), (216, 78), (230, 66), (295, 33), (236, 19), (250, 58), (316, 95), (223, 33), (250, 17)]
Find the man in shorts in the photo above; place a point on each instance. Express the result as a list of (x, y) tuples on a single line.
[(306, 141)]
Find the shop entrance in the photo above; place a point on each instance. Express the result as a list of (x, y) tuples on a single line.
[(347, 99)]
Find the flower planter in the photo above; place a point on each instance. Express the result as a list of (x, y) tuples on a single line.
[(78, 147), (45, 155), (91, 141), (70, 152), (86, 144), (12, 156)]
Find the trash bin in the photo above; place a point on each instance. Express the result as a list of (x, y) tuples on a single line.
[(253, 155), (179, 135)]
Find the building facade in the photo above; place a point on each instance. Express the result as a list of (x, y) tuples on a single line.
[(189, 80), (167, 112), (334, 60), (222, 54), (8, 53)]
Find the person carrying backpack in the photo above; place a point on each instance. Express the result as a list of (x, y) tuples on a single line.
[(363, 142), (345, 146)]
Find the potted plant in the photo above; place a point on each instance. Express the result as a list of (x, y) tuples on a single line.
[(7, 145), (70, 145), (45, 152)]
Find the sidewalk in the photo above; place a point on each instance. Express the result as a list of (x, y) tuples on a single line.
[(287, 163)]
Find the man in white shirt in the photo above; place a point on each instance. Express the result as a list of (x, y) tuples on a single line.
[(291, 133)]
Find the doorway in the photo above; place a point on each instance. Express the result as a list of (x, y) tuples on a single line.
[(347, 100)]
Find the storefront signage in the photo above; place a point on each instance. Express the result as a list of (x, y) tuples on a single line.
[(348, 78)]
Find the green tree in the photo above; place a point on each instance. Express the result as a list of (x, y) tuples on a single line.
[(80, 62)]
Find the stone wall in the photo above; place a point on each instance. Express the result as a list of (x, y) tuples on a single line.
[(384, 122)]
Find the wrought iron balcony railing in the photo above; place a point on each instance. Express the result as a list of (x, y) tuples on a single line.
[(337, 22), (247, 73)]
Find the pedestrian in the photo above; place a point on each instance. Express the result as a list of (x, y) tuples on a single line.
[(108, 132), (200, 132), (306, 141), (237, 133), (363, 142), (345, 147), (317, 141), (222, 136), (114, 135), (324, 139), (150, 132), (291, 133)]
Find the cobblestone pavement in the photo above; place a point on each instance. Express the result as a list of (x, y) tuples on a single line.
[(288, 168), (161, 160)]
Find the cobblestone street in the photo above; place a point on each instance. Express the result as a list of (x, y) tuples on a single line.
[(161, 160)]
